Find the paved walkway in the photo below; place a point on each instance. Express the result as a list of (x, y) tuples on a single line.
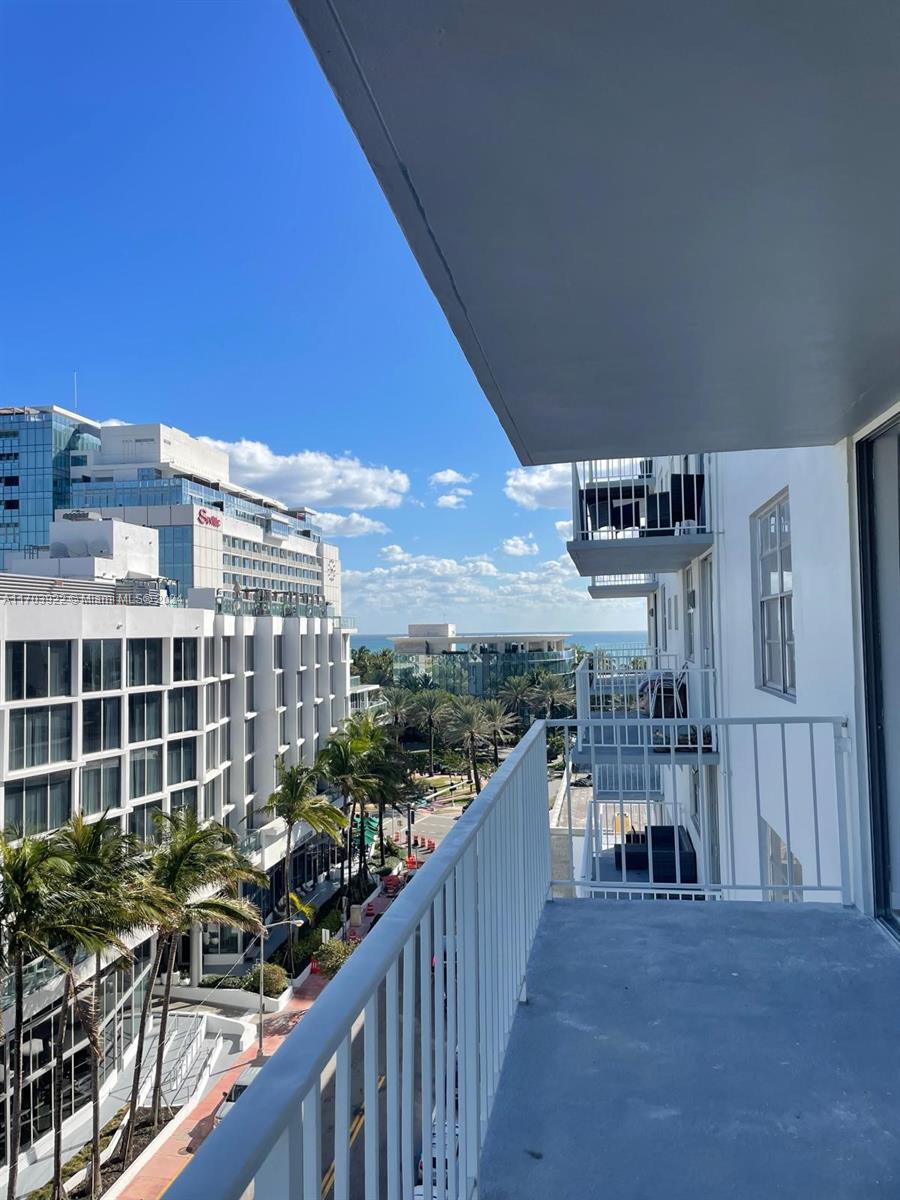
[(174, 1153)]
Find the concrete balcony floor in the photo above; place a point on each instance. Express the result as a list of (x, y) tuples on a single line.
[(701, 1050)]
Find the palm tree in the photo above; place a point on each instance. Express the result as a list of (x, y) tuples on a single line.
[(191, 860), (398, 708), (549, 692), (345, 762), (107, 868), (295, 801), (466, 724), (500, 724), (427, 710), (35, 897), (516, 692)]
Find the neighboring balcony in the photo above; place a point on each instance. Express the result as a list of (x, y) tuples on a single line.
[(535, 1037), (643, 705), (620, 587), (639, 515)]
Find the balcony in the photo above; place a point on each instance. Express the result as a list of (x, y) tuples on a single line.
[(620, 587), (639, 515), (539, 1036)]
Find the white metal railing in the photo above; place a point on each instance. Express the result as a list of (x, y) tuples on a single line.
[(639, 497), (635, 656), (658, 686), (751, 808), (625, 580), (419, 1016)]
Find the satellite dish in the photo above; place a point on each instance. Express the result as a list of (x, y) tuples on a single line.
[(59, 550), (78, 548)]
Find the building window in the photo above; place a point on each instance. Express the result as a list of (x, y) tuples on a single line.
[(100, 725), (184, 658), (210, 800), (690, 604), (101, 664), (101, 786), (282, 728), (249, 736), (181, 761), (182, 709), (212, 742), (144, 661), (249, 695), (775, 601), (145, 716), (212, 697), (209, 656), (38, 805), (249, 778), (142, 822), (225, 699), (38, 670), (185, 798), (38, 736), (146, 771), (248, 652), (279, 651), (224, 735), (226, 655), (279, 691)]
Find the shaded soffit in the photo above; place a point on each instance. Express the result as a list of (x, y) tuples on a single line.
[(653, 227)]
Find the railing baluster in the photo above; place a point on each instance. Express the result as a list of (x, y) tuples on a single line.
[(392, 1076), (370, 1097), (407, 1096), (312, 1143), (440, 1114), (449, 1131), (342, 1118)]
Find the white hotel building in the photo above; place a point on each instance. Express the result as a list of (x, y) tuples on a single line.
[(124, 692), (666, 239)]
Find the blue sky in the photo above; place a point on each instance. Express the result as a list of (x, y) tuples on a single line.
[(188, 221)]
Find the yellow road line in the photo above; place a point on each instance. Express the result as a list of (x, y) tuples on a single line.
[(355, 1126)]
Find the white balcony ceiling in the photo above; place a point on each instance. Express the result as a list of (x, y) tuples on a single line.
[(653, 227)]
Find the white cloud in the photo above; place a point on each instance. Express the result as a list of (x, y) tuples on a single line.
[(564, 529), (448, 477), (473, 592), (519, 547), (540, 487), (313, 476), (451, 500), (112, 421), (348, 525)]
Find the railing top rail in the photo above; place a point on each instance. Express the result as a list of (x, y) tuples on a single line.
[(669, 722), (291, 1073)]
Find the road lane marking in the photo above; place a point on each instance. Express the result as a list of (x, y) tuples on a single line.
[(355, 1126)]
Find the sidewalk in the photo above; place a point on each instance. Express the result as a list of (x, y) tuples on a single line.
[(174, 1153)]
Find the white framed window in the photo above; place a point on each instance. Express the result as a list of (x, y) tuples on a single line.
[(774, 597), (690, 606)]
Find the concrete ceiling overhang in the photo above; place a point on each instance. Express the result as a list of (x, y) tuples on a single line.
[(653, 227)]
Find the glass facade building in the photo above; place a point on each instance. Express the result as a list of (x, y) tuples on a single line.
[(38, 448), (248, 564)]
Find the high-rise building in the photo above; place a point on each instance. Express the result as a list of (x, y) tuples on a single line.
[(38, 448), (123, 693)]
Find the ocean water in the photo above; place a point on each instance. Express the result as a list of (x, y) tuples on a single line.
[(609, 639)]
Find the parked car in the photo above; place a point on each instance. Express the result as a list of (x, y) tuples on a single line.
[(237, 1090)]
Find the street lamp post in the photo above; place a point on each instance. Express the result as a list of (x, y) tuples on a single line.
[(262, 962)]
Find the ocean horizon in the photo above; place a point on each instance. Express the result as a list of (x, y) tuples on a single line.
[(589, 638)]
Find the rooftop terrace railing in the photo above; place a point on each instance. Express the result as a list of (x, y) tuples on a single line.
[(639, 497), (416, 1023)]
